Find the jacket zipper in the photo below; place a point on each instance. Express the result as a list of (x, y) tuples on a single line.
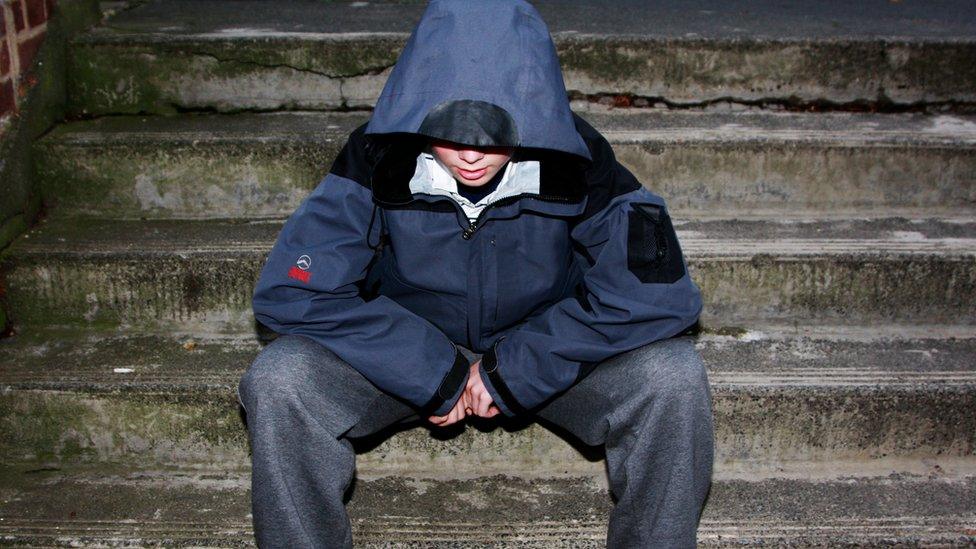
[(473, 226), (476, 224)]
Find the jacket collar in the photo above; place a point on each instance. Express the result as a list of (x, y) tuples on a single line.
[(432, 177), (552, 176)]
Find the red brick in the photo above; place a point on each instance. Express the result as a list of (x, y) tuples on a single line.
[(27, 49), (7, 101), (50, 7), (35, 12), (18, 15), (4, 59), (3, 21)]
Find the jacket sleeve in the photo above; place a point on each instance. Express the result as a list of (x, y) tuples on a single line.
[(635, 289), (309, 286)]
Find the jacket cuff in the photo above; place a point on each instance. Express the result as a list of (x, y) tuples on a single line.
[(450, 389), (500, 393)]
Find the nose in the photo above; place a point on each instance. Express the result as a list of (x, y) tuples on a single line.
[(470, 155)]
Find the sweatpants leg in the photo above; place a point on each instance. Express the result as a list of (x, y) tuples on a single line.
[(652, 408), (300, 400)]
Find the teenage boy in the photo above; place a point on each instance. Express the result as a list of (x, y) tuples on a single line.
[(476, 249)]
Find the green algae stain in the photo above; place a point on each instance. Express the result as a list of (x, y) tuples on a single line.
[(65, 427)]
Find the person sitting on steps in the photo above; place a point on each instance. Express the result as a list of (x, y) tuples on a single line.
[(476, 249)]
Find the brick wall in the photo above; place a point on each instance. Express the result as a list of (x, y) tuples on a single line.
[(23, 25)]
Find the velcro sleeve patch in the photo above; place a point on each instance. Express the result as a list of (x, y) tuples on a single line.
[(653, 254)]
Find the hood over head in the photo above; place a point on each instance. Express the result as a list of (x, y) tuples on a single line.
[(482, 73)]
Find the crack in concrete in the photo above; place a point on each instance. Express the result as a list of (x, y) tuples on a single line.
[(366, 71), (248, 62), (341, 79), (881, 105)]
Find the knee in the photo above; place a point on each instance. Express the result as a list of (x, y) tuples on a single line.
[(675, 371), (280, 369)]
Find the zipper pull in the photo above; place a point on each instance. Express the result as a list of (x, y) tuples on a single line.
[(466, 234)]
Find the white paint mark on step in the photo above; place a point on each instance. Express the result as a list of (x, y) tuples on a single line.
[(752, 335), (907, 236), (951, 125)]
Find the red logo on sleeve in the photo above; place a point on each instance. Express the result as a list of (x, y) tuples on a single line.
[(299, 274), (299, 271)]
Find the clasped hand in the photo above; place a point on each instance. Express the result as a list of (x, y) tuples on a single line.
[(475, 400)]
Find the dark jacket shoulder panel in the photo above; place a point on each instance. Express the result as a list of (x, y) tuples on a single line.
[(355, 159), (606, 179)]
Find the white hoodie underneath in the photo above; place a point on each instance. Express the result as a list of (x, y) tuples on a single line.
[(432, 177)]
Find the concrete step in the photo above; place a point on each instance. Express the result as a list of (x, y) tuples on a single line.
[(170, 56), (114, 506), (740, 163), (836, 399), (200, 275)]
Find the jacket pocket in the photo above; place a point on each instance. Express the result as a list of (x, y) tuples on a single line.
[(391, 274), (653, 254), (444, 310)]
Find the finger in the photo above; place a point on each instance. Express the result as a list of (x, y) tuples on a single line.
[(473, 371), (483, 401), (493, 412), (455, 415)]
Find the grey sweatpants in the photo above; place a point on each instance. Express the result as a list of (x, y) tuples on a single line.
[(651, 407)]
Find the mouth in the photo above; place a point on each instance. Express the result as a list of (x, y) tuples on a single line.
[(472, 174)]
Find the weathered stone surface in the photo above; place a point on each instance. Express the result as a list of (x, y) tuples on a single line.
[(333, 55), (125, 76), (825, 395), (113, 505), (40, 104), (745, 163), (200, 275), (189, 166), (850, 423)]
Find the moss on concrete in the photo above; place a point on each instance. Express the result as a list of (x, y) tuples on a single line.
[(754, 422), (840, 71), (119, 79), (42, 107), (834, 176), (10, 228), (132, 73), (130, 76), (168, 291), (61, 426), (844, 289), (213, 288), (164, 179)]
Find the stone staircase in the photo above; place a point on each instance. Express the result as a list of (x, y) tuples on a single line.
[(820, 161)]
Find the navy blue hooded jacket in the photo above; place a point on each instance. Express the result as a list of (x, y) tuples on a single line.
[(580, 264)]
